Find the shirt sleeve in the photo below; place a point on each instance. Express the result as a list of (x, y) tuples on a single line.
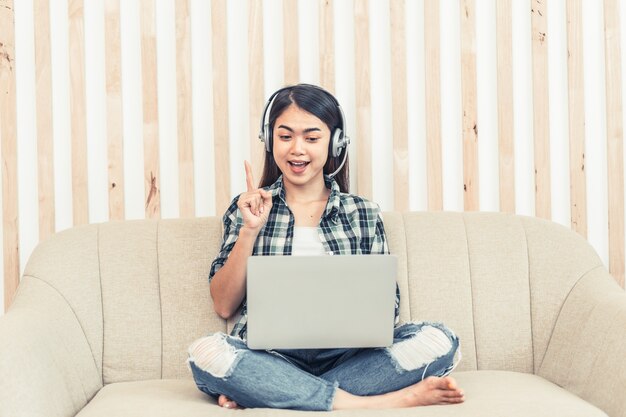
[(232, 224), (379, 246)]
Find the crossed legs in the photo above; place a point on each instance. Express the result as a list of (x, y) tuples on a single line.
[(410, 373)]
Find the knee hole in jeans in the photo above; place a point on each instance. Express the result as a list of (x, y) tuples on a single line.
[(426, 346), (213, 354)]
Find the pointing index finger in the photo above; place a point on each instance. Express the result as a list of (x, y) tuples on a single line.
[(249, 176)]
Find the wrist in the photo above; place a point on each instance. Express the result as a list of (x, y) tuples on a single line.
[(249, 232)]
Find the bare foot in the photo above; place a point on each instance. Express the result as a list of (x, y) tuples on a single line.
[(224, 401), (431, 391)]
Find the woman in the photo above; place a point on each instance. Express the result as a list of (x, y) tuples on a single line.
[(302, 207)]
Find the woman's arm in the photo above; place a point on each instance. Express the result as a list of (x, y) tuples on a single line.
[(228, 272), (228, 286)]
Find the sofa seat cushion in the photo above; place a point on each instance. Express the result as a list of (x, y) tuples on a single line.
[(488, 394)]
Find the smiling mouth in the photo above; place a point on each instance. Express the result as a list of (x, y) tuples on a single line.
[(298, 164)]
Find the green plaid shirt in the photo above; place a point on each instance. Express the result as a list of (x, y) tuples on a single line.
[(349, 225)]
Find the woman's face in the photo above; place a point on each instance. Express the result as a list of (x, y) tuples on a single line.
[(300, 146)]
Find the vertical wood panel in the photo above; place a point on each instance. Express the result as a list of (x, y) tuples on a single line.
[(220, 105), (399, 106), (114, 109), (290, 41), (469, 105), (327, 45), (576, 98), (256, 83), (505, 105), (150, 111), (615, 139), (43, 80), (8, 138), (184, 101), (363, 98), (432, 80), (80, 201), (78, 111), (541, 109)]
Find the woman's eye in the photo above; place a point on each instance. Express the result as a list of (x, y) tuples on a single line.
[(284, 137), (312, 139)]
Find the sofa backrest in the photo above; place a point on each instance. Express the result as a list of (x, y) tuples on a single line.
[(140, 291)]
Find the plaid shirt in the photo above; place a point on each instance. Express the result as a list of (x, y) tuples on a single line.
[(349, 225)]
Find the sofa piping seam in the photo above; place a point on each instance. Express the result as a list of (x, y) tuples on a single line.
[(530, 296), (101, 301), (73, 312), (469, 264), (406, 248), (159, 287), (558, 316)]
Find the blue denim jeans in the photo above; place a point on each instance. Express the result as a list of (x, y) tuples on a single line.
[(307, 379)]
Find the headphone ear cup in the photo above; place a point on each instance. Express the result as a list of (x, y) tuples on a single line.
[(267, 137), (337, 142)]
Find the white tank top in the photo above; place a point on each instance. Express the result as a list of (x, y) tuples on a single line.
[(306, 242)]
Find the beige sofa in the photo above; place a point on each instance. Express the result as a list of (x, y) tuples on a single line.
[(104, 314)]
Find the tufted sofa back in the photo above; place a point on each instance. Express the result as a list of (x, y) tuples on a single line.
[(140, 294)]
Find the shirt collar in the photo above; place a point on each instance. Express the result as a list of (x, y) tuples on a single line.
[(334, 200)]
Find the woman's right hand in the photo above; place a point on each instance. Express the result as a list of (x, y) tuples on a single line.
[(255, 204)]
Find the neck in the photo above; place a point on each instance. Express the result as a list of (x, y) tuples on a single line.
[(314, 191)]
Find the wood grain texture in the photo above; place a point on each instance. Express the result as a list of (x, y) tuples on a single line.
[(327, 45), (615, 139), (363, 98), (576, 99), (78, 112), (115, 123), (541, 109), (220, 105), (432, 74), (43, 88), (399, 106), (256, 84), (8, 140), (364, 161), (469, 105), (150, 111), (186, 191), (506, 144), (290, 41)]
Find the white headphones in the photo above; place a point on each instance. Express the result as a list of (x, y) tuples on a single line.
[(338, 140)]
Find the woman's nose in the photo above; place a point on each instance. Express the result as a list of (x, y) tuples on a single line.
[(297, 146)]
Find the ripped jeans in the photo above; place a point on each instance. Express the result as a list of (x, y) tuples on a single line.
[(307, 379)]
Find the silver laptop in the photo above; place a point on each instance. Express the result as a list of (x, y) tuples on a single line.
[(310, 302)]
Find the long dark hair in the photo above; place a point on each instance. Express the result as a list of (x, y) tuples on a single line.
[(322, 105)]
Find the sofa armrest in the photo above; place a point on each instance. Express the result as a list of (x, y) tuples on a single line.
[(585, 353), (46, 365)]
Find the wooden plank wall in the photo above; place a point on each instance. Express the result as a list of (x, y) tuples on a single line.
[(360, 101), (8, 138)]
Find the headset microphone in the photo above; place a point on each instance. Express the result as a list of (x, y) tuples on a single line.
[(343, 161)]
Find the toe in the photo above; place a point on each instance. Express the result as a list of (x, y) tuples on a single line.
[(454, 400), (450, 383), (452, 394), (445, 383), (224, 401)]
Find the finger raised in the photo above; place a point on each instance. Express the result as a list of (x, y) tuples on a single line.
[(249, 176)]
